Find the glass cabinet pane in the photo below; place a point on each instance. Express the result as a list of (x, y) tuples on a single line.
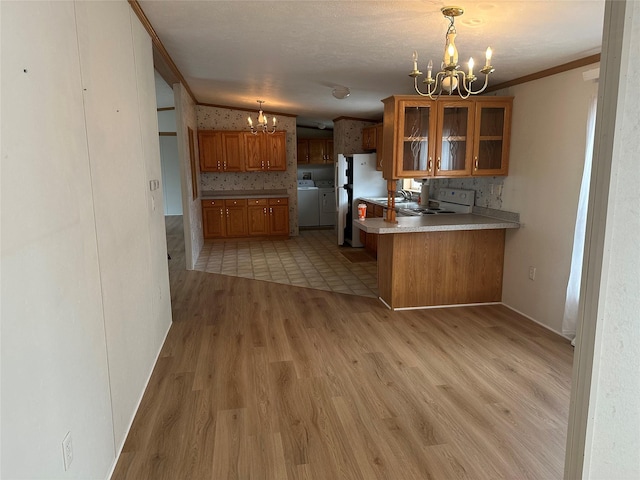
[(490, 142), (491, 121), (454, 138), (415, 153)]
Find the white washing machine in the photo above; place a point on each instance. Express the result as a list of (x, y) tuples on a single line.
[(308, 213), (326, 202)]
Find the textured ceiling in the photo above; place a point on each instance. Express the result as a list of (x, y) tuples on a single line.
[(292, 53)]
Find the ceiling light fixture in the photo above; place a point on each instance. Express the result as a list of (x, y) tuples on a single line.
[(263, 125), (450, 78), (340, 92)]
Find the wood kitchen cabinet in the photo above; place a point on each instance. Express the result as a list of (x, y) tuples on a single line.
[(224, 218), (240, 151), (315, 150), (241, 217), (369, 138), (379, 147), (279, 216), (268, 216), (236, 221), (491, 136), (370, 240), (221, 151), (213, 219), (265, 152), (303, 151), (447, 137), (372, 139)]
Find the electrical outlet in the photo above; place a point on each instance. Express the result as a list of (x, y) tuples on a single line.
[(532, 273), (67, 451)]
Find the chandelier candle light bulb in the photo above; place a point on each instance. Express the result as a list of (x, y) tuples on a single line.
[(263, 122), (470, 67)]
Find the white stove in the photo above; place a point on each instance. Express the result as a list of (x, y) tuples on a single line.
[(450, 200), (454, 200)]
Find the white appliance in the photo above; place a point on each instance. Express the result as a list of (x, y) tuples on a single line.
[(308, 213), (450, 200), (356, 177), (455, 200), (326, 202)]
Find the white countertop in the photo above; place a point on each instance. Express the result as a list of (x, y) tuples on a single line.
[(433, 223)]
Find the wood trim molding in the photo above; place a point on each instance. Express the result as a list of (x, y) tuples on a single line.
[(168, 134), (245, 109), (161, 59), (357, 119), (164, 109), (581, 62)]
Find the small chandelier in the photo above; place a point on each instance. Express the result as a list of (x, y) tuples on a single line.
[(262, 125), (450, 78)]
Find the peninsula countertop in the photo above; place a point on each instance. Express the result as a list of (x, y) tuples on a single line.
[(434, 223)]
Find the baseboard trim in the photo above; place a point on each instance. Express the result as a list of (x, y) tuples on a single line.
[(427, 307), (535, 321), (117, 457)]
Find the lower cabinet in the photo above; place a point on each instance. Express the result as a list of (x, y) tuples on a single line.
[(245, 217), (213, 219), (370, 240)]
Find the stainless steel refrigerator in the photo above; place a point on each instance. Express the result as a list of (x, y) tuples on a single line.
[(356, 177)]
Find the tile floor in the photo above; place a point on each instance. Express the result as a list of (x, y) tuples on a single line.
[(312, 260)]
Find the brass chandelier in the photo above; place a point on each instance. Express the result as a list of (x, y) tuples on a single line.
[(450, 78), (263, 123)]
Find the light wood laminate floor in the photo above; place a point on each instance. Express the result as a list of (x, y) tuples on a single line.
[(260, 380)]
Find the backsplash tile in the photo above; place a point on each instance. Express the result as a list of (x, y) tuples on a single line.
[(347, 135), (488, 189)]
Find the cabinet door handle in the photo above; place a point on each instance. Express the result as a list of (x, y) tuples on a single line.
[(264, 210), (268, 164), (476, 163), (270, 211), (224, 165), (438, 164), (429, 165), (227, 212)]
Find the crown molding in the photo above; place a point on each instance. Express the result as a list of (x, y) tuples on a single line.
[(162, 61), (565, 67)]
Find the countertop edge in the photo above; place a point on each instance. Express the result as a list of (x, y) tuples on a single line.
[(235, 194), (429, 224)]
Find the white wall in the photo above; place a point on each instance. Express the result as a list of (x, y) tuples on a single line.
[(85, 297), (191, 208), (167, 120), (611, 329), (171, 182), (545, 168)]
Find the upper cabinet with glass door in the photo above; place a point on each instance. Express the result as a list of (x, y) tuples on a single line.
[(454, 143), (409, 131), (491, 136), (448, 137)]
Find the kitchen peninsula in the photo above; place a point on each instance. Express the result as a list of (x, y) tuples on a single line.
[(432, 260)]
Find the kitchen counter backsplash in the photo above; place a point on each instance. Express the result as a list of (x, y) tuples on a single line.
[(482, 186)]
